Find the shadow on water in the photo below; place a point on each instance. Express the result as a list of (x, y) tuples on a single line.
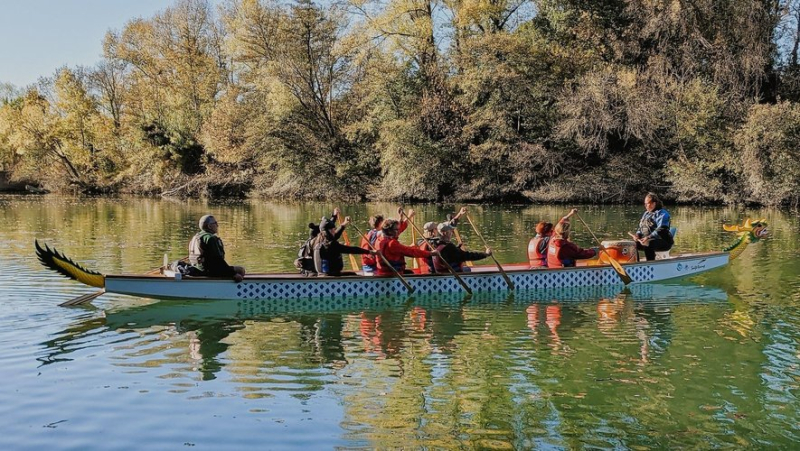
[(384, 321)]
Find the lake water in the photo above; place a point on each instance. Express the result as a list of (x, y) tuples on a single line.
[(708, 362)]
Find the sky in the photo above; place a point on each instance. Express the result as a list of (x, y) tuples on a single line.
[(39, 36)]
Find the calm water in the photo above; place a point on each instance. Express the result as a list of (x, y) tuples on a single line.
[(709, 362)]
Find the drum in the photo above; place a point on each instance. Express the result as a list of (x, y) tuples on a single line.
[(623, 251)]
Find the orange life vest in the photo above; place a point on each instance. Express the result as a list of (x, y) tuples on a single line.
[(537, 250)]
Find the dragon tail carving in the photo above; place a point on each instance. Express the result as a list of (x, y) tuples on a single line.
[(58, 262)]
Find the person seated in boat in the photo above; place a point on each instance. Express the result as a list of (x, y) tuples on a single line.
[(305, 255), (452, 254), (369, 262), (561, 252), (394, 251), (537, 246), (430, 234), (653, 234), (207, 253), (428, 241), (328, 250)]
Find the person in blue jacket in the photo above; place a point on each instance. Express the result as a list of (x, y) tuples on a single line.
[(653, 234)]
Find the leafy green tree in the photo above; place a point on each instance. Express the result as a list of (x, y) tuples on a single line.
[(768, 145)]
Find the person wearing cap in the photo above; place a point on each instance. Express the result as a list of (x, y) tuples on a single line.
[(430, 233), (394, 251), (429, 240), (328, 250), (207, 253), (452, 254)]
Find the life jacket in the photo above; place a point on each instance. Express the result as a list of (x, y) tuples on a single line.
[(537, 250), (441, 264), (399, 264), (553, 254), (369, 260), (426, 265), (197, 248)]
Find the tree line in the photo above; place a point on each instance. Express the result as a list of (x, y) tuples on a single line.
[(431, 100)]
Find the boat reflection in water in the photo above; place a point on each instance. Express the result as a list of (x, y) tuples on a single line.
[(324, 327)]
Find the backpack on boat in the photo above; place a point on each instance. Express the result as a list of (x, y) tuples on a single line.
[(180, 266), (305, 258)]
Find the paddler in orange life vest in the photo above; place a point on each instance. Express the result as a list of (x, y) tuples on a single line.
[(369, 262), (561, 252), (394, 251), (537, 246)]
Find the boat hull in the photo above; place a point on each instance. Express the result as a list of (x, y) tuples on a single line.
[(482, 279)]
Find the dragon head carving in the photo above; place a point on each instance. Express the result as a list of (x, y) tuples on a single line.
[(749, 232), (756, 229)]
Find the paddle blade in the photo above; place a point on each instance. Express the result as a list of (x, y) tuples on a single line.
[(89, 297), (626, 279)]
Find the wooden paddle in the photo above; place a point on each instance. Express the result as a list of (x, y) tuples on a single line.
[(396, 273), (352, 257), (88, 297), (414, 261), (499, 266), (446, 264), (626, 279)]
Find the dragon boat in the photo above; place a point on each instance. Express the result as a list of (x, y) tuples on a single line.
[(166, 284)]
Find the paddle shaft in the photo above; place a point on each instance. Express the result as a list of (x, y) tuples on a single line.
[(352, 257), (395, 271), (414, 261), (626, 279), (499, 266), (446, 264)]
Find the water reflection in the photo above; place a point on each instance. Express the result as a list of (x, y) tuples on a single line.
[(540, 368), (382, 327)]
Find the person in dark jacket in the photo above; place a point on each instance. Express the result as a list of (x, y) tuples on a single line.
[(207, 253), (653, 234), (328, 250), (453, 254), (430, 240)]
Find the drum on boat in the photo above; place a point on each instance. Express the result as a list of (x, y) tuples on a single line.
[(623, 251)]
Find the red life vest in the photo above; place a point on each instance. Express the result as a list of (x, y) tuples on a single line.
[(425, 264), (441, 264), (368, 259), (554, 253), (537, 250)]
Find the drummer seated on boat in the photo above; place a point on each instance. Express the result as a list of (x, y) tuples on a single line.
[(654, 233), (453, 254), (207, 253), (328, 250), (561, 252)]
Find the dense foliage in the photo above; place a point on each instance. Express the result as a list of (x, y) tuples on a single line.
[(549, 100)]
